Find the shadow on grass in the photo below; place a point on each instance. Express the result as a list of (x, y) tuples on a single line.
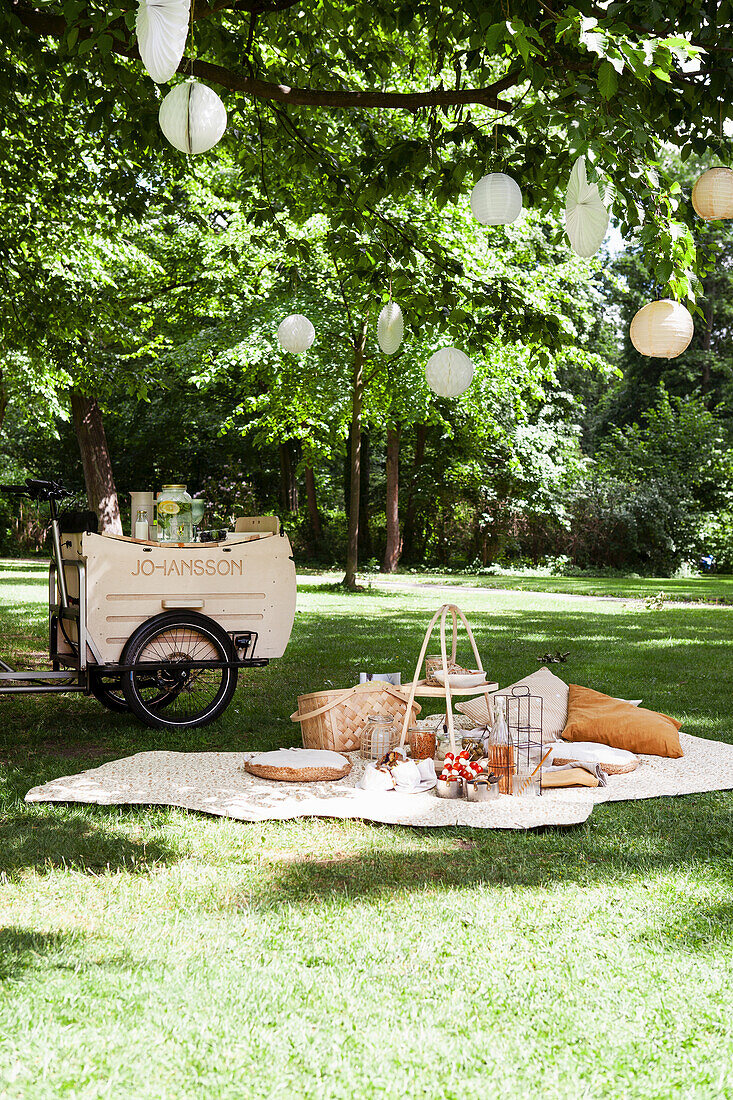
[(337, 588), (622, 843), (702, 929), (20, 949), (44, 842)]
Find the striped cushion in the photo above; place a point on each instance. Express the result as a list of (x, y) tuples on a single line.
[(554, 694)]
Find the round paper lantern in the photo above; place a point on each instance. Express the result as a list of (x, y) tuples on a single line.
[(586, 218), (449, 372), (192, 117), (390, 328), (712, 195), (162, 29), (662, 329), (496, 199), (296, 333)]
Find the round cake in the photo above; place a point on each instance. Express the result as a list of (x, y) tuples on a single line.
[(299, 765)]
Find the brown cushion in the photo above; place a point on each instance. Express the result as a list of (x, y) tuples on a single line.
[(593, 716)]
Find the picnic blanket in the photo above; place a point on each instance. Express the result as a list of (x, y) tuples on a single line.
[(216, 783)]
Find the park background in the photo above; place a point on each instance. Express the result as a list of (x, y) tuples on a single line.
[(143, 290)]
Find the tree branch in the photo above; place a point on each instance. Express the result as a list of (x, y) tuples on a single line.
[(55, 26)]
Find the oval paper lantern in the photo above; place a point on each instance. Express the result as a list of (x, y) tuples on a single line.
[(162, 29), (586, 218), (496, 199), (712, 195), (390, 328), (449, 372), (192, 117), (296, 333), (662, 329)]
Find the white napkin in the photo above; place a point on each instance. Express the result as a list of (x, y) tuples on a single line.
[(426, 769), (406, 775), (376, 779)]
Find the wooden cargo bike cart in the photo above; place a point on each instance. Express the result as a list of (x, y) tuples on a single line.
[(159, 629)]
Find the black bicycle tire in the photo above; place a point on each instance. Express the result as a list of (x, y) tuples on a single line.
[(104, 696), (107, 698), (140, 639)]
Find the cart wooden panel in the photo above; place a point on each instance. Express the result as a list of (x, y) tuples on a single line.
[(245, 583)]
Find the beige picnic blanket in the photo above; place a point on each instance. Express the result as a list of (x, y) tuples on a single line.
[(216, 783)]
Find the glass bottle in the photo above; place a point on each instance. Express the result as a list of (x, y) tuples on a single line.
[(141, 524), (501, 747)]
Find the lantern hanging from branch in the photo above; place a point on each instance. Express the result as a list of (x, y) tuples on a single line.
[(712, 195), (662, 329), (296, 333), (192, 117), (496, 199), (162, 29), (390, 328), (586, 218), (449, 372)]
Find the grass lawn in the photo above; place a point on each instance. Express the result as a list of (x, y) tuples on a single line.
[(164, 954), (716, 588)]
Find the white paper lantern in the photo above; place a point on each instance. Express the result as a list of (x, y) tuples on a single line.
[(390, 328), (162, 29), (662, 329), (449, 372), (296, 333), (192, 117), (586, 218), (496, 199), (712, 195)]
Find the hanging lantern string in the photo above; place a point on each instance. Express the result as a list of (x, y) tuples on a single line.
[(193, 50)]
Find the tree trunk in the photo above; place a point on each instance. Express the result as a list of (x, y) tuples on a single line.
[(365, 535), (393, 548), (357, 404), (288, 479), (312, 502), (408, 539), (95, 460), (4, 397), (706, 344)]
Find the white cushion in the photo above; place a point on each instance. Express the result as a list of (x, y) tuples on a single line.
[(592, 752), (552, 690)]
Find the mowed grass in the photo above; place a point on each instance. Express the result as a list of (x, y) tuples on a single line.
[(154, 953), (716, 588)]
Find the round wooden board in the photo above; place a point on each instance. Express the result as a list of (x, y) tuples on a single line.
[(297, 775)]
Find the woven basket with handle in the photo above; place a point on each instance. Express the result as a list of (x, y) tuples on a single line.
[(334, 719)]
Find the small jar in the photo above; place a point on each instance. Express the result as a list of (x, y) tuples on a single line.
[(422, 743), (378, 736), (433, 663)]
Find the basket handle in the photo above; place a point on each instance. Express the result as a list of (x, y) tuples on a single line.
[(344, 697)]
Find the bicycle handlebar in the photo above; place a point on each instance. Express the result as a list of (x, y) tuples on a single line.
[(39, 490)]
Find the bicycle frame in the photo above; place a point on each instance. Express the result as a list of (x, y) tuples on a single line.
[(76, 677)]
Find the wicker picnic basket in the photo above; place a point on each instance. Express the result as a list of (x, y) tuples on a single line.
[(334, 719)]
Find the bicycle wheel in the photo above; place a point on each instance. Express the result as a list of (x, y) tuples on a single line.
[(106, 687), (178, 695)]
